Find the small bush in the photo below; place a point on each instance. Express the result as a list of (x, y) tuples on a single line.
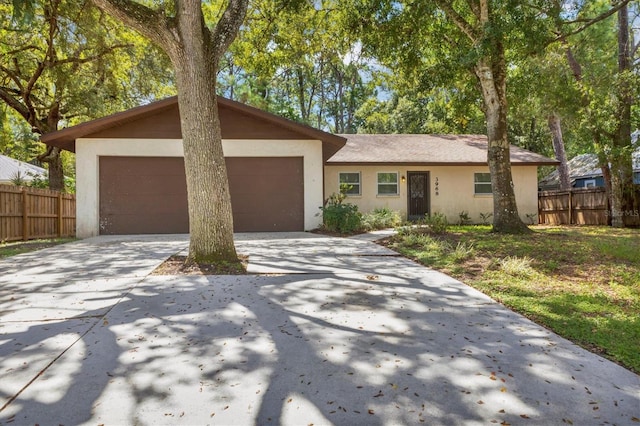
[(339, 217), (416, 239), (462, 252), (485, 217), (381, 218), (465, 219), (517, 266), (437, 223)]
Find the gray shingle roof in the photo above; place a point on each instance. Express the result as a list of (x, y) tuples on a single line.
[(425, 149), (584, 166)]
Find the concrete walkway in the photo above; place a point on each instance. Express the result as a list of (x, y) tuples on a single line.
[(325, 331)]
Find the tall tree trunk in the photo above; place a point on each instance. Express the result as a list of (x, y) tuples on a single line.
[(195, 52), (56, 172), (52, 155), (621, 155), (206, 172), (558, 148), (491, 73)]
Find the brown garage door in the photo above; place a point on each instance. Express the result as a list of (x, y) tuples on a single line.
[(147, 195), (267, 194)]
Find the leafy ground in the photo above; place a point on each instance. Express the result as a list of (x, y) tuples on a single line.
[(178, 265), (581, 282), (19, 247)]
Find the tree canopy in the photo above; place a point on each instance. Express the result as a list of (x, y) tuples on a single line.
[(64, 62), (518, 71)]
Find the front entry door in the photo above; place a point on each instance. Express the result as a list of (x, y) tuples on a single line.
[(417, 195)]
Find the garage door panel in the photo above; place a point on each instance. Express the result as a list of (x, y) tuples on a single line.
[(148, 194), (143, 195), (155, 224), (267, 194), (141, 204)]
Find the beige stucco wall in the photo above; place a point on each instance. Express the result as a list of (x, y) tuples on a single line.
[(88, 152), (455, 190)]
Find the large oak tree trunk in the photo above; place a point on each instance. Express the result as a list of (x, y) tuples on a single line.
[(195, 52), (624, 200), (206, 172), (56, 171), (492, 78), (558, 147)]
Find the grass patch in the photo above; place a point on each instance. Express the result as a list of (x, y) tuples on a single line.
[(19, 247), (581, 282)]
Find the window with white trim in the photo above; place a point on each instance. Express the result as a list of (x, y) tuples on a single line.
[(590, 183), (352, 182), (482, 183), (388, 183)]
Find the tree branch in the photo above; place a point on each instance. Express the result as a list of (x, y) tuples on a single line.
[(148, 22), (227, 27), (14, 76), (22, 49), (457, 19), (590, 22), (89, 58), (11, 99)]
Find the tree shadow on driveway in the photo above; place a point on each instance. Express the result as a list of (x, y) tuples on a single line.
[(382, 342)]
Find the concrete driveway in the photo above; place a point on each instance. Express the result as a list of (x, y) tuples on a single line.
[(325, 331)]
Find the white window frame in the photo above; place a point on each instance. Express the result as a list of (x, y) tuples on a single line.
[(397, 184), (357, 185), (590, 183), (477, 183)]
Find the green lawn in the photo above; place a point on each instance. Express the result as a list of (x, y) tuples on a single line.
[(18, 247), (581, 282)]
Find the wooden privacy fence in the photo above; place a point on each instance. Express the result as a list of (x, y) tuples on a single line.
[(30, 213), (577, 206)]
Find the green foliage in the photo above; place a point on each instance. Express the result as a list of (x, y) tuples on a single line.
[(23, 10), (438, 111), (341, 218), (437, 223), (65, 62), (298, 60), (38, 182), (19, 179), (517, 266), (581, 282), (484, 217), (381, 218), (464, 218), (8, 249)]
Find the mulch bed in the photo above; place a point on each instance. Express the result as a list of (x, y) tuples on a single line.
[(176, 265)]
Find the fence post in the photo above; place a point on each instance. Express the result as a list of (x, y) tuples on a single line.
[(571, 207), (59, 214), (25, 215)]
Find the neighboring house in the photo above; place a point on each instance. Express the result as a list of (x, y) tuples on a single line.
[(10, 168), (420, 174), (584, 172), (130, 171)]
